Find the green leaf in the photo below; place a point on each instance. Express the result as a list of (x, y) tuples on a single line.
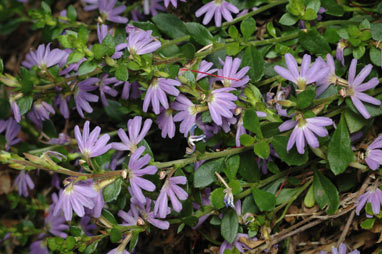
[(229, 225), (375, 56), (86, 67), (147, 25), (188, 50), (235, 186), (122, 72), (309, 200), (71, 13), (262, 149), (246, 140), (285, 195), (340, 152), (325, 193), (359, 52), (232, 49), (232, 165), (255, 60), (333, 8), (75, 57), (288, 19), (368, 223), (248, 27), (217, 198), (83, 35), (310, 14), (170, 25), (115, 235), (25, 104), (70, 243), (199, 33), (205, 174), (271, 29), (264, 200), (112, 191), (99, 50), (376, 31), (248, 169), (305, 98), (251, 122), (314, 42), (354, 121), (64, 40), (109, 216), (233, 33), (292, 158)]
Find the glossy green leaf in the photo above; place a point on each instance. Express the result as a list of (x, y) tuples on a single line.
[(376, 31), (248, 27), (232, 165), (314, 42), (288, 19), (199, 33), (251, 122), (217, 198), (86, 67), (264, 200), (262, 149), (292, 158), (205, 174), (111, 191), (115, 235), (255, 60), (170, 25), (25, 104), (325, 193), (229, 225)]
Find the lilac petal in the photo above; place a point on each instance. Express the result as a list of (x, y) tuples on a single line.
[(360, 107), (287, 125)]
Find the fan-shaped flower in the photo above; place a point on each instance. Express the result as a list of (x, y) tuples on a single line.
[(82, 97), (205, 69), (141, 42), (166, 123), (220, 104), (173, 2), (107, 10), (43, 57), (373, 155), (156, 93), (231, 71), (24, 182), (186, 115), (374, 197), (217, 8), (241, 247)]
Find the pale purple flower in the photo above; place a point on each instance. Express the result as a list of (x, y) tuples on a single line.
[(241, 247), (141, 42), (304, 132), (220, 104), (75, 197), (23, 182), (90, 5), (156, 93), (227, 122), (40, 112), (152, 6), (63, 139), (374, 197), (281, 95), (82, 97), (38, 247), (206, 68), (118, 251), (239, 131), (231, 70), (174, 192), (356, 88), (173, 2), (15, 109), (136, 135), (72, 67), (186, 115), (138, 168), (217, 8), (99, 203), (117, 159), (330, 78), (306, 75), (245, 11), (89, 144), (142, 210), (166, 123), (135, 91), (62, 103), (11, 129), (373, 154), (107, 10), (87, 226), (340, 52), (104, 88), (43, 57), (56, 223), (341, 250)]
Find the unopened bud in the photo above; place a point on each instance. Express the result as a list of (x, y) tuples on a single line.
[(342, 92), (16, 166), (33, 158), (81, 162), (162, 174), (238, 111), (110, 61), (287, 103), (140, 222), (124, 174)]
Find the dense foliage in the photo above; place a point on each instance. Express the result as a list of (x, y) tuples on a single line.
[(223, 126)]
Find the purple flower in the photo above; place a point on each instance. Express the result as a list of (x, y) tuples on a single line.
[(217, 8), (82, 97), (239, 245), (11, 129), (281, 95), (373, 154), (91, 5), (118, 251), (186, 115), (56, 223), (40, 113), (135, 92), (87, 226), (356, 88), (43, 57), (75, 197), (23, 182), (152, 6), (330, 78), (104, 88), (62, 103), (63, 139), (173, 2), (89, 144), (174, 192), (141, 42), (166, 123), (231, 70), (108, 12), (306, 75), (340, 52), (143, 210), (99, 203), (135, 173), (304, 130), (117, 159), (38, 247), (341, 250), (220, 104), (136, 135), (15, 109), (156, 93), (374, 197), (204, 67), (102, 32)]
